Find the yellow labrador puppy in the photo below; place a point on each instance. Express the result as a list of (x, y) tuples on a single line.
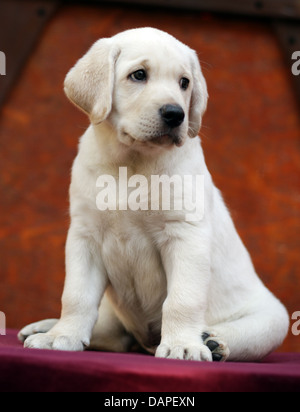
[(180, 284)]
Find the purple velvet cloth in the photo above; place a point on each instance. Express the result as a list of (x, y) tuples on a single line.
[(43, 371)]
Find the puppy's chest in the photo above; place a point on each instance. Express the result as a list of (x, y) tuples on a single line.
[(133, 263)]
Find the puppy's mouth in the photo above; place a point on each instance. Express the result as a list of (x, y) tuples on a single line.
[(166, 140)]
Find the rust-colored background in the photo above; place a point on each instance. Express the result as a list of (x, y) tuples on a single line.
[(251, 139)]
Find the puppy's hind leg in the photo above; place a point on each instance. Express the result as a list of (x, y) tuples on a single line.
[(109, 334), (256, 334), (43, 326)]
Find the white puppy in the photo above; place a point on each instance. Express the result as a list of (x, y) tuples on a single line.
[(181, 289)]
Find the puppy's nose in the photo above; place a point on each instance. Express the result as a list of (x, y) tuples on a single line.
[(173, 115)]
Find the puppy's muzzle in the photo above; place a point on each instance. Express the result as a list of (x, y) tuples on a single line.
[(172, 115)]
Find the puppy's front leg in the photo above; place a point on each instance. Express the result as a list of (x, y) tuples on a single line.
[(85, 285), (187, 265)]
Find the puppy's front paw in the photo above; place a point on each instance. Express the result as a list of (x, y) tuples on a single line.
[(196, 352), (52, 342)]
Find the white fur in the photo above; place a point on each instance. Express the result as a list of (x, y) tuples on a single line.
[(158, 278)]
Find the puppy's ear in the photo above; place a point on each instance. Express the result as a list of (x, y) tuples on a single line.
[(89, 84), (199, 98)]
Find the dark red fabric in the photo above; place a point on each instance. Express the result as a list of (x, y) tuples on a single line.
[(33, 370)]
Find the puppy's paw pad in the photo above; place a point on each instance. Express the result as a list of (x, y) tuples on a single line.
[(219, 349)]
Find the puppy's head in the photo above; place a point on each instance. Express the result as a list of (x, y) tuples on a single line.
[(147, 84)]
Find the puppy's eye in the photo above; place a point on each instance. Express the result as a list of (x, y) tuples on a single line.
[(139, 76), (184, 83)]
